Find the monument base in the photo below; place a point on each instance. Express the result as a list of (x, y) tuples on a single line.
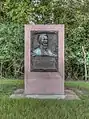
[(68, 95), (46, 96), (44, 83)]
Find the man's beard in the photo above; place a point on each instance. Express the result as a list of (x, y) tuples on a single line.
[(45, 46)]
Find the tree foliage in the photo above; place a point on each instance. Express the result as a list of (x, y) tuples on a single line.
[(74, 14)]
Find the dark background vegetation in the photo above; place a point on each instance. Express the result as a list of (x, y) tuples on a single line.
[(74, 14)]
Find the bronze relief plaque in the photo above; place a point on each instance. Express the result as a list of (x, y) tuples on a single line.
[(44, 51)]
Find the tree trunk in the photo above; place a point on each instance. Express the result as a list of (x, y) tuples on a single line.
[(85, 66)]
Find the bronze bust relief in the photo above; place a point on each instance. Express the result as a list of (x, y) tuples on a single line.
[(43, 47)]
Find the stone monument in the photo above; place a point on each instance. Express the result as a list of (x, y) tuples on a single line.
[(44, 60)]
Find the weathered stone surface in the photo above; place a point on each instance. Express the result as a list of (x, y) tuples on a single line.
[(69, 95), (15, 96), (44, 59), (19, 91)]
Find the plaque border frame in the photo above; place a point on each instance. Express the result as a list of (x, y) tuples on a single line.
[(42, 70)]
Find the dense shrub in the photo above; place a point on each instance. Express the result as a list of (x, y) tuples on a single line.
[(11, 49)]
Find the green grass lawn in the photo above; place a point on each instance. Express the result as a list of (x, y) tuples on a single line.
[(77, 84), (41, 109)]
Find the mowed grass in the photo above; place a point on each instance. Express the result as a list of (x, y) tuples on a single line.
[(77, 84), (40, 109)]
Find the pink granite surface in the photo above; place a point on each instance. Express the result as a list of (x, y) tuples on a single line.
[(44, 82)]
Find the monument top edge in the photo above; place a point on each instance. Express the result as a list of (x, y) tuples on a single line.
[(43, 24)]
